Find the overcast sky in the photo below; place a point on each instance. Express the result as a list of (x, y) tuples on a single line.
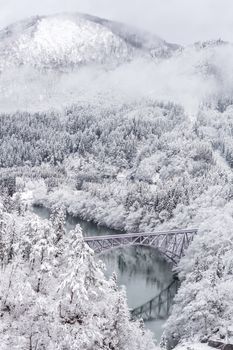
[(180, 21)]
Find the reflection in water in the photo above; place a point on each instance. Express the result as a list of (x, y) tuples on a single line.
[(144, 274), (141, 270)]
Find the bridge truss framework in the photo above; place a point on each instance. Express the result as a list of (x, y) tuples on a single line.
[(172, 244)]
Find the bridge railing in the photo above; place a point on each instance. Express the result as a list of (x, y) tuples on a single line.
[(136, 234), (170, 243)]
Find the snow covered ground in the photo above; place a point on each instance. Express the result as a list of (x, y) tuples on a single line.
[(131, 132), (193, 346)]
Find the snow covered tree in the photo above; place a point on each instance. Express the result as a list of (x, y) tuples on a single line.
[(58, 217), (203, 303), (54, 295)]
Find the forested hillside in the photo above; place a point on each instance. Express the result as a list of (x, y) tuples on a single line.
[(144, 161), (121, 128)]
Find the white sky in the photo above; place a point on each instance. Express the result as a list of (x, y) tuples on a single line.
[(180, 21)]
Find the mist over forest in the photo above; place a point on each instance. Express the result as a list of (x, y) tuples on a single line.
[(115, 126)]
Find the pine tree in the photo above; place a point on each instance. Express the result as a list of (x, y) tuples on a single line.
[(53, 295), (58, 217)]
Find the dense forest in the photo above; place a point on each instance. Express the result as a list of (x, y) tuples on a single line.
[(133, 167), (145, 161), (53, 292), (142, 143)]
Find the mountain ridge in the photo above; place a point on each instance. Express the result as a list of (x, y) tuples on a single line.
[(75, 39)]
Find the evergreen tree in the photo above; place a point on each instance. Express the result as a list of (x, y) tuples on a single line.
[(53, 295)]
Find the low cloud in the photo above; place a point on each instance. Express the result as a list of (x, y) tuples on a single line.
[(189, 78)]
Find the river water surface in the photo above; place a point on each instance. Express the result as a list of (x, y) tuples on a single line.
[(139, 269)]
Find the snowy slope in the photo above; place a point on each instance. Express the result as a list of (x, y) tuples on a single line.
[(70, 40), (188, 76), (137, 38)]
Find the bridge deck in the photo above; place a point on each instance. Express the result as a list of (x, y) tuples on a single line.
[(137, 234)]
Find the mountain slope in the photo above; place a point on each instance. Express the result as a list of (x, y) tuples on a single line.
[(70, 40)]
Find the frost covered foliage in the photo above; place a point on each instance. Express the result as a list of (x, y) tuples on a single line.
[(56, 42), (204, 303), (83, 127), (64, 40), (53, 294), (132, 167)]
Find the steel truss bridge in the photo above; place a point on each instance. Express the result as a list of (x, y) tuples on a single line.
[(171, 244)]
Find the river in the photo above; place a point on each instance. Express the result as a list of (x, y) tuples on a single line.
[(139, 269)]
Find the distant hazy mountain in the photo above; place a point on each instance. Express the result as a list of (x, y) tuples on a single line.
[(71, 40)]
